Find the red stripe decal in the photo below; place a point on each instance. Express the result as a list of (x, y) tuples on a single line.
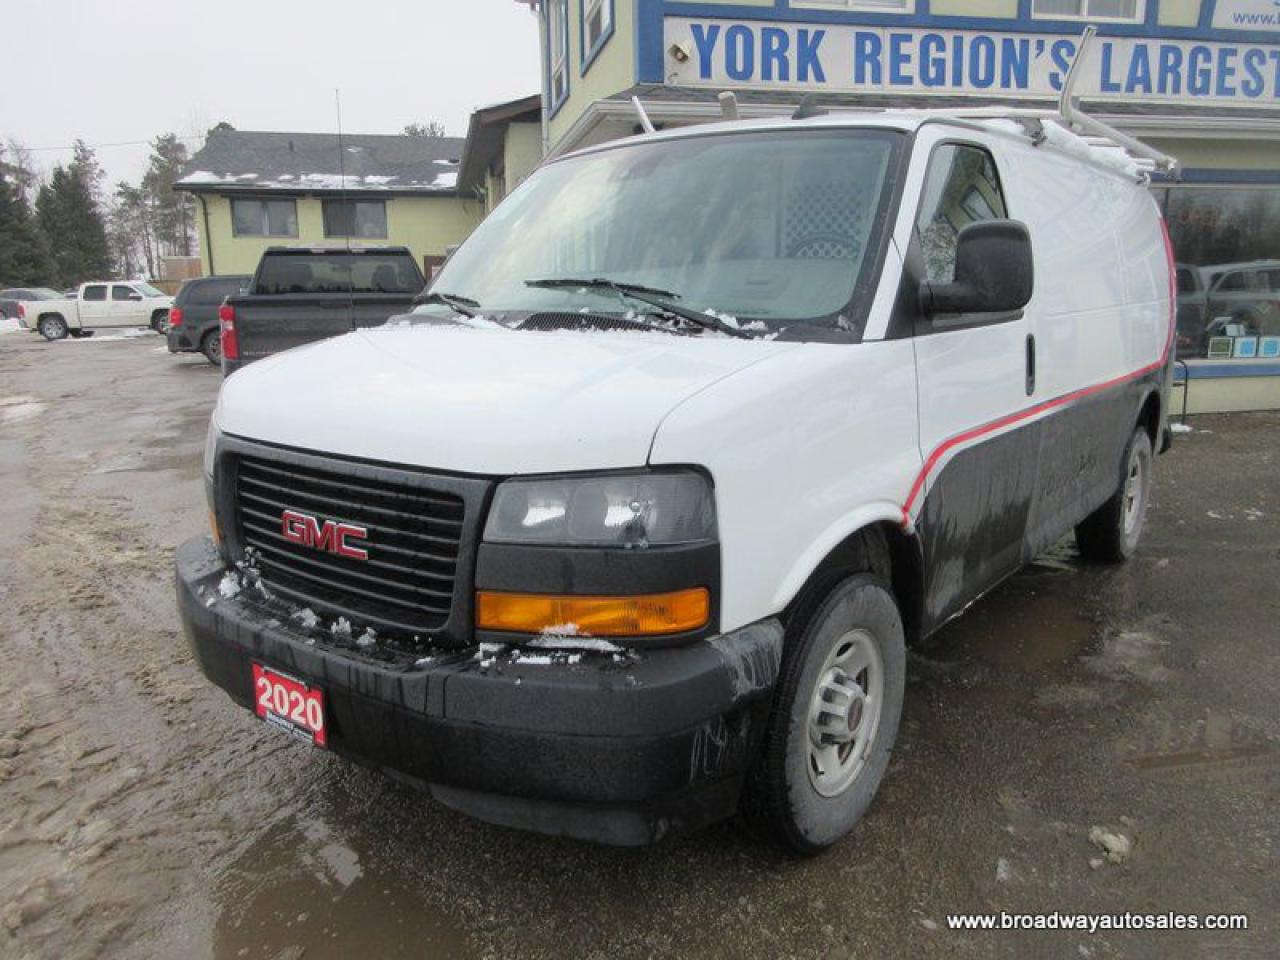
[(974, 432)]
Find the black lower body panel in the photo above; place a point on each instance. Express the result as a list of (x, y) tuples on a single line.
[(622, 750)]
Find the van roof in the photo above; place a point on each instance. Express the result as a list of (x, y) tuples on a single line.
[(1093, 150)]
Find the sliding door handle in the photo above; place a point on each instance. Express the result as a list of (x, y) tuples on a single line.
[(1031, 364)]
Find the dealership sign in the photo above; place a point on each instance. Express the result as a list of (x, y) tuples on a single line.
[(848, 58)]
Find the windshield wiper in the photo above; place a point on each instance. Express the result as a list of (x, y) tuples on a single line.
[(463, 305), (662, 299)]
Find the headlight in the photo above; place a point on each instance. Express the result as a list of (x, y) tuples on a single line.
[(613, 510)]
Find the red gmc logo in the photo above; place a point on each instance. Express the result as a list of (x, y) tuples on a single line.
[(329, 535)]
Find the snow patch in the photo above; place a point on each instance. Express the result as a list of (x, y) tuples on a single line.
[(567, 636), (341, 627), (367, 639), (306, 617), (9, 325), (1180, 428), (230, 586)]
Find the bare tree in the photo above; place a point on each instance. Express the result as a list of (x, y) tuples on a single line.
[(432, 128)]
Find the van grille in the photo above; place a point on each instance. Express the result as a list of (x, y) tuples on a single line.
[(414, 538)]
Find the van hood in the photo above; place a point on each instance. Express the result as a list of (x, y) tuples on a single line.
[(477, 400)]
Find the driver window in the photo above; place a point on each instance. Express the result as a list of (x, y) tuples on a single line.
[(961, 187)]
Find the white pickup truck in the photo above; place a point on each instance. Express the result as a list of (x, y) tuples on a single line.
[(114, 303)]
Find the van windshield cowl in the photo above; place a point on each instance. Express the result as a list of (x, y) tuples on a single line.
[(769, 233)]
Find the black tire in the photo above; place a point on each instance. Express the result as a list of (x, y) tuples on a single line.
[(211, 347), (785, 798), (52, 327), (1111, 533), (160, 322)]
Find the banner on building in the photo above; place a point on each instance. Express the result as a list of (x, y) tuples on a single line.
[(851, 58)]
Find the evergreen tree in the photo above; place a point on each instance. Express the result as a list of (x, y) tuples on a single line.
[(70, 216), (24, 256), (172, 213)]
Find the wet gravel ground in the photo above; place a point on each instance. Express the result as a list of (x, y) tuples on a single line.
[(143, 815)]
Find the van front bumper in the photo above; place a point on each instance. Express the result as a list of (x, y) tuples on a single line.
[(615, 749)]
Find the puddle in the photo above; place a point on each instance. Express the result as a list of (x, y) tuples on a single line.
[(16, 409), (1034, 622), (302, 891)]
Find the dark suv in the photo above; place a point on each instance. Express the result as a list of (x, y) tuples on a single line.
[(193, 319)]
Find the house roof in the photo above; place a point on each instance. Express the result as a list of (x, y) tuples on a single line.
[(253, 161), (485, 135)]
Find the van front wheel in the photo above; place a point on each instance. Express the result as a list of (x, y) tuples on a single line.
[(1111, 533), (833, 721)]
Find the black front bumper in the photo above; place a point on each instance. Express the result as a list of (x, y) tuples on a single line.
[(621, 750)]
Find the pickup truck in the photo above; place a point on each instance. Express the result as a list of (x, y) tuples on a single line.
[(299, 295), (103, 303)]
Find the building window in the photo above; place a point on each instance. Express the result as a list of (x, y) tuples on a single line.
[(355, 218), (264, 218), (1226, 241), (558, 47), (1124, 11), (597, 28)]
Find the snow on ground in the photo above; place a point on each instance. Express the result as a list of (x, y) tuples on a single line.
[(129, 334), (9, 325), (1180, 427)]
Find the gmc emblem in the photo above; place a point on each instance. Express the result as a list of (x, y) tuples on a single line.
[(329, 535)]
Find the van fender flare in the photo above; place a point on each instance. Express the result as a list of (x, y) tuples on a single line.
[(840, 530)]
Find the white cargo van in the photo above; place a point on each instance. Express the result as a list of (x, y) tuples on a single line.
[(627, 527)]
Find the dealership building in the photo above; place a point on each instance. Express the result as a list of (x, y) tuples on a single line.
[(1198, 79)]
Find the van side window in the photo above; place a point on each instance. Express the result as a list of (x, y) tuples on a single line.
[(961, 187)]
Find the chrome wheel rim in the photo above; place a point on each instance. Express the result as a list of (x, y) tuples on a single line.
[(1135, 492), (57, 328), (844, 712)]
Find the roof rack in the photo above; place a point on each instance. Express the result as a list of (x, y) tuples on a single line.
[(1072, 130), (1068, 128)]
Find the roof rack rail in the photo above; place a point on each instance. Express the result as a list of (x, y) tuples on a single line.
[(1073, 130)]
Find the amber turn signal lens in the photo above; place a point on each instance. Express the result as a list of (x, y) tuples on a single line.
[(213, 528), (640, 616)]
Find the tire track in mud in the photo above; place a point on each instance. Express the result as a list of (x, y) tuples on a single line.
[(109, 795)]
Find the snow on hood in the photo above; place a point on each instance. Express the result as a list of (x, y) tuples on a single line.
[(480, 401)]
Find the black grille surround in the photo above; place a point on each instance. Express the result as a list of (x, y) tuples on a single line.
[(422, 532)]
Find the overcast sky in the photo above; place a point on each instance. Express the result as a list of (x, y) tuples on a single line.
[(110, 71)]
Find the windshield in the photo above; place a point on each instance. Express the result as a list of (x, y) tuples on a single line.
[(147, 290), (772, 229)]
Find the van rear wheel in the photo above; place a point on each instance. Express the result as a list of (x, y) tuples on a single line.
[(833, 721), (1111, 533)]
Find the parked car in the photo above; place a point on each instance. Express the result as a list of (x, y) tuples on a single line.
[(627, 527), (300, 295), (193, 318), (102, 304), (14, 300), (1216, 298)]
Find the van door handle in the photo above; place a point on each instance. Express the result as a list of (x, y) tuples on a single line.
[(1031, 364)]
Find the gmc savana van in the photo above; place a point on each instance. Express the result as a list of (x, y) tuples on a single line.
[(627, 526)]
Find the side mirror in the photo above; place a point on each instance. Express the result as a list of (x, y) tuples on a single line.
[(135, 296), (993, 271)]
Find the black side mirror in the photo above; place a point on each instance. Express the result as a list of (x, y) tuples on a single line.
[(994, 271), (135, 296)]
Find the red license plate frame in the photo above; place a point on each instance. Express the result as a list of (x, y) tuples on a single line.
[(293, 705)]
